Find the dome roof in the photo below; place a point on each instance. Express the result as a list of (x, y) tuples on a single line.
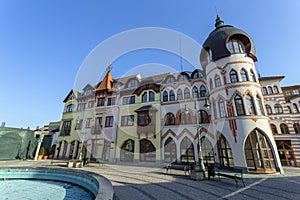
[(218, 38)]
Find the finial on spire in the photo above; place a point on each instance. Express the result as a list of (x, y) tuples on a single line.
[(109, 67), (219, 22)]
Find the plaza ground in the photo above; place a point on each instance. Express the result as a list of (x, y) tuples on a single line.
[(137, 182)]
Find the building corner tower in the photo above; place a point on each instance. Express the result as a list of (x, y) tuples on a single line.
[(239, 121)]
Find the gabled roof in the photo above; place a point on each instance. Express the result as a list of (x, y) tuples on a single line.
[(106, 83), (70, 93), (291, 87), (271, 78)]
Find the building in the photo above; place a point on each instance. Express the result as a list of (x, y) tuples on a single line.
[(161, 119), (282, 105)]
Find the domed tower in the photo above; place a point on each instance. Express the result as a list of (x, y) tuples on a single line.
[(239, 121)]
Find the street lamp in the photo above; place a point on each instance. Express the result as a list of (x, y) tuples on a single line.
[(198, 127)]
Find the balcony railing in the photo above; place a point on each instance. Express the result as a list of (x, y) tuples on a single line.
[(97, 129)]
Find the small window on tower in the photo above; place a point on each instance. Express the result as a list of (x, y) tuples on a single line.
[(235, 46)]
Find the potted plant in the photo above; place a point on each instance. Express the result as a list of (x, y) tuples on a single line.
[(51, 152), (45, 157), (41, 153)]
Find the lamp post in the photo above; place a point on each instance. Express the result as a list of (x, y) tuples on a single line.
[(198, 127)]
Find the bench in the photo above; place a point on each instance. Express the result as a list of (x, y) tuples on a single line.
[(185, 168), (68, 163), (236, 174)]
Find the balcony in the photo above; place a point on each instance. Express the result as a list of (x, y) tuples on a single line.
[(97, 129)]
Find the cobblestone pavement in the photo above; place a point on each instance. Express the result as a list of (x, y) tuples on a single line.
[(132, 182), (143, 183)]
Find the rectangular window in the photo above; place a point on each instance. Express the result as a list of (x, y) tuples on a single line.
[(109, 121), (88, 123), (91, 104), (144, 118), (288, 92), (70, 108), (80, 106), (79, 125), (111, 101), (127, 120), (128, 100), (66, 128), (101, 101), (296, 92)]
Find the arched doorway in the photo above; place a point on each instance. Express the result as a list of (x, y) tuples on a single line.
[(286, 153), (187, 151), (170, 151), (207, 151), (225, 153), (127, 151), (258, 153), (147, 151)]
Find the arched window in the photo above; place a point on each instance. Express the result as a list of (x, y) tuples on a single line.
[(185, 118), (222, 108), (235, 46), (239, 105), (183, 77), (187, 94), (195, 92), (244, 75), (252, 76), (233, 76), (258, 153), (297, 128), (187, 151), (278, 108), (179, 94), (151, 96), (170, 79), (197, 74), (127, 151), (165, 96), (170, 151), (147, 151), (207, 151), (269, 109), (215, 110), (217, 81), (225, 153), (172, 96), (284, 129), (144, 97), (250, 105), (295, 108), (209, 55), (270, 90), (203, 116), (211, 84), (259, 106), (202, 91), (275, 88), (274, 129), (169, 119), (265, 92), (289, 109)]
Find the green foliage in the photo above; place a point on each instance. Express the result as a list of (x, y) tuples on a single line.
[(42, 151)]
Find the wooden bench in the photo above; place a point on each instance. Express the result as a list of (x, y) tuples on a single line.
[(185, 168), (60, 162), (68, 163), (236, 174)]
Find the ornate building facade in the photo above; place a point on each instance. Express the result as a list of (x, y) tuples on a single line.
[(161, 119)]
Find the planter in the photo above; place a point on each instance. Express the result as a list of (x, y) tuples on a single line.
[(40, 157), (45, 157)]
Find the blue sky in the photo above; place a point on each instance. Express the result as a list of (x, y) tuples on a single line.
[(44, 43)]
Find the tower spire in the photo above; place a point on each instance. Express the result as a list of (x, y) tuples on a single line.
[(219, 22)]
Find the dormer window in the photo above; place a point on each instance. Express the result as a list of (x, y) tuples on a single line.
[(170, 79), (183, 77), (235, 46), (132, 83), (197, 74), (88, 92)]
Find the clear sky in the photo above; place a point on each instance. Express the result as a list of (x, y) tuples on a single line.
[(44, 43)]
